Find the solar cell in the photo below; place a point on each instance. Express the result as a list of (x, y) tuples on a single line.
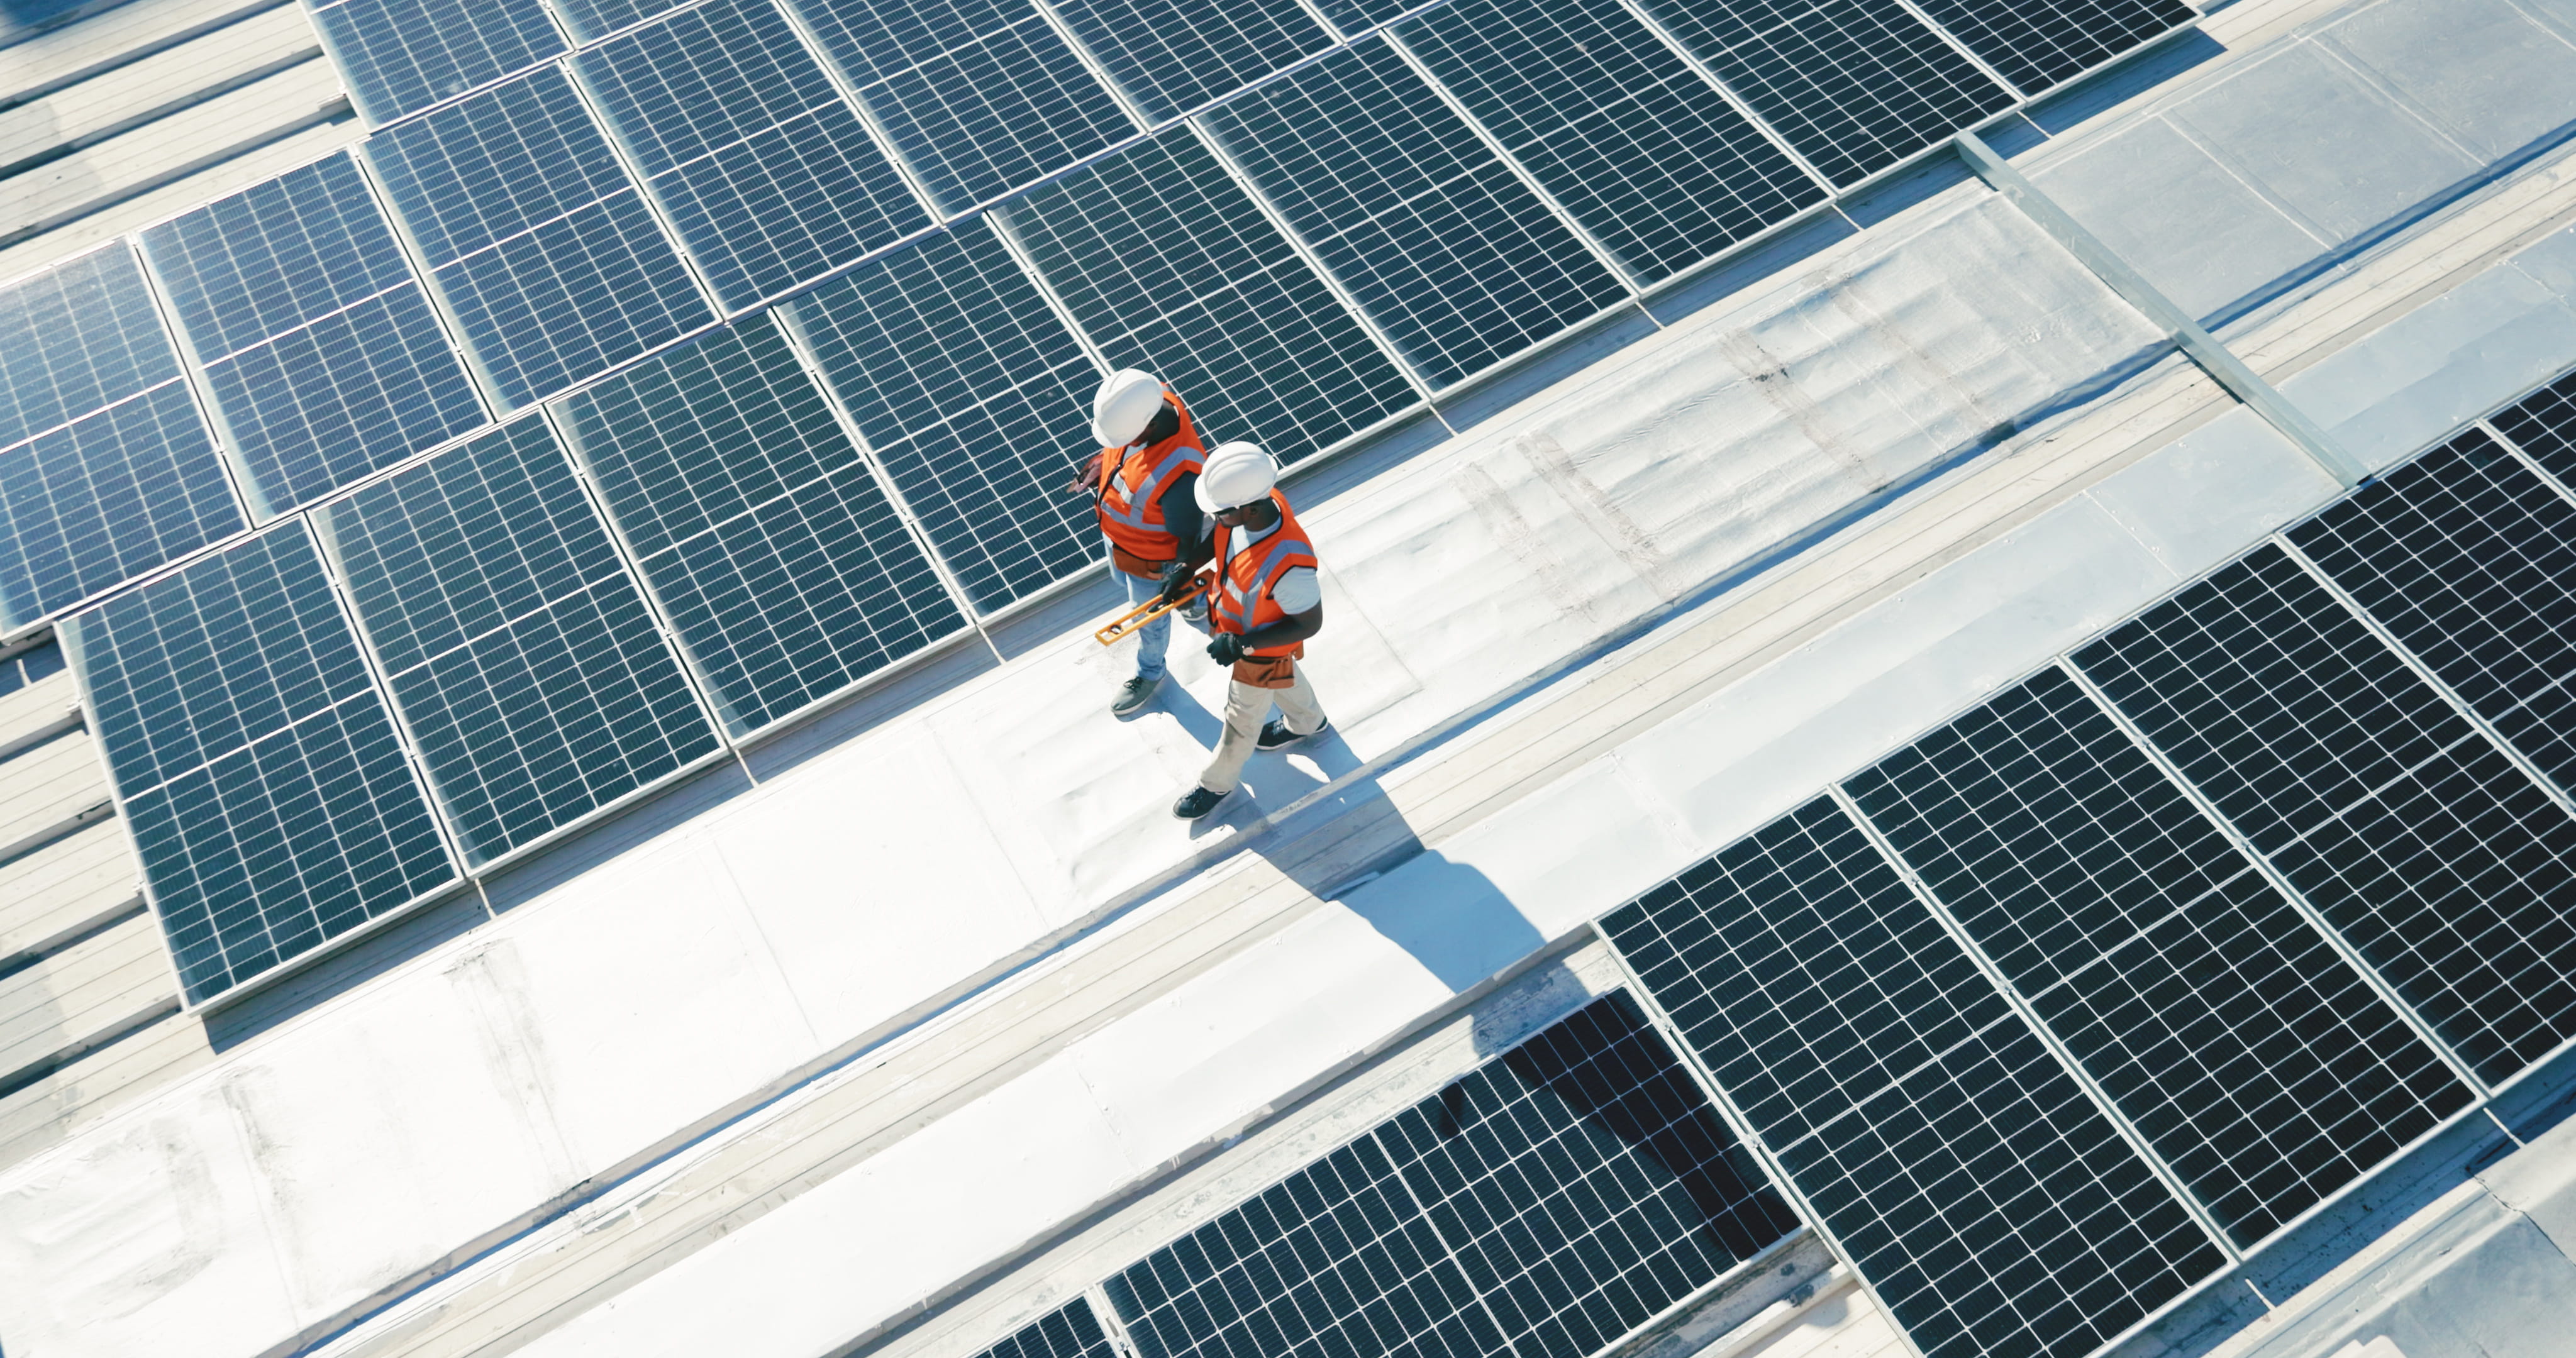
[(1983, 1195), (1168, 266), (975, 400), (2446, 867), (77, 338), (518, 650), (1855, 85), (1450, 253), (2038, 44), (2259, 1064), (545, 253), (779, 560), (1653, 162), (321, 354), (1070, 1332), (591, 20), (769, 176), (1169, 57), (400, 56), (978, 98), (2543, 424), (106, 498), (2470, 561), (270, 803)]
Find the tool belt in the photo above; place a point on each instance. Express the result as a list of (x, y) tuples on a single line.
[(1135, 565), (1269, 671)]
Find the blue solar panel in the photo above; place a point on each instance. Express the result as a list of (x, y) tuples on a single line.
[(766, 171), (1071, 1331), (548, 256), (518, 650), (779, 560), (1168, 265), (106, 498), (1170, 56), (2037, 44), (591, 20), (977, 98), (399, 56), (320, 350), (974, 398), (1643, 152), (1450, 253), (269, 799), (76, 338)]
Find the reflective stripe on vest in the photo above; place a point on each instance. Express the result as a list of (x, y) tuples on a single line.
[(1131, 489), (1243, 602), (1115, 507)]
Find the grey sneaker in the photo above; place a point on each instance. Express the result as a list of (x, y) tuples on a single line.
[(1275, 735), (1133, 695), (1196, 802)]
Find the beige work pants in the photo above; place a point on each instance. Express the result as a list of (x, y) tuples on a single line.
[(1246, 708)]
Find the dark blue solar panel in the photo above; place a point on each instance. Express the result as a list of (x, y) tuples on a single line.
[(780, 561), (768, 174), (1983, 1195), (518, 650), (401, 55), (1855, 85), (551, 260), (2261, 1066), (1168, 266), (978, 99), (1643, 152), (1071, 1332), (1170, 56), (105, 499), (320, 351), (590, 20), (2447, 867), (2037, 44), (269, 800), (1449, 252), (2543, 424), (75, 338), (976, 401)]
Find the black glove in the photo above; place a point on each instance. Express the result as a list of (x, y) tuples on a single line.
[(1179, 582), (1227, 648)]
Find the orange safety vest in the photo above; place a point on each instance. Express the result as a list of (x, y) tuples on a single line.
[(1132, 482), (1243, 601)]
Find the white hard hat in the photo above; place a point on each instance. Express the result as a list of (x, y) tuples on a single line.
[(1127, 402), (1235, 474)]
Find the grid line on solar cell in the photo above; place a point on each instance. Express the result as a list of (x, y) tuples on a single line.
[(106, 498), (1650, 159), (75, 339), (2470, 561), (1071, 1331), (591, 20), (1168, 266), (978, 99), (399, 56), (2449, 870), (1855, 85), (966, 387), (1984, 1196), (517, 649), (2543, 426), (1169, 57), (783, 566), (766, 172), (2258, 1064), (275, 256), (2040, 44), (1438, 241)]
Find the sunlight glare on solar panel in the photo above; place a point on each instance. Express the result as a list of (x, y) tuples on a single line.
[(78, 338), (94, 503), (401, 56)]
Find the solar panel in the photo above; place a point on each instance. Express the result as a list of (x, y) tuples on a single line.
[(1855, 85), (547, 256), (1987, 1200), (769, 176), (591, 20), (977, 97), (1168, 266), (518, 650), (77, 338), (2037, 44), (2259, 1064), (1069, 1332), (1169, 57), (2543, 424), (779, 560), (975, 400), (319, 349), (270, 803), (400, 56), (2470, 560), (1653, 162), (106, 498), (2449, 870), (1450, 253)]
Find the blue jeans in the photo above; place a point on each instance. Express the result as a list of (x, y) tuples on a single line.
[(1154, 639)]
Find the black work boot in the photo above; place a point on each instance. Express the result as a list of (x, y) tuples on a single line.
[(1275, 735), (1133, 695), (1196, 802)]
